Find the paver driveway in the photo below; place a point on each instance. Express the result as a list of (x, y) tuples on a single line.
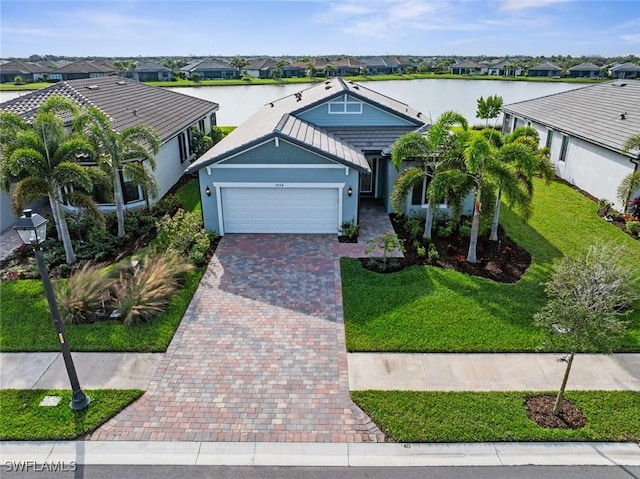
[(259, 355)]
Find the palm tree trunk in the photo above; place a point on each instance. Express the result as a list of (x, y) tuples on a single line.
[(475, 228), (56, 218), (70, 255), (556, 408), (119, 203), (496, 218), (428, 224)]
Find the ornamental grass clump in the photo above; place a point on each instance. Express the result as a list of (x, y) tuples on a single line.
[(80, 296), (143, 292)]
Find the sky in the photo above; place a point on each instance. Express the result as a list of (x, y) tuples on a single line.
[(319, 27)]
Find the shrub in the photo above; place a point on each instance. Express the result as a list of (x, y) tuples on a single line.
[(350, 229), (182, 233), (446, 229), (386, 244), (414, 228), (99, 246), (633, 227), (143, 292), (168, 205), (634, 207), (82, 294), (421, 251), (433, 253)]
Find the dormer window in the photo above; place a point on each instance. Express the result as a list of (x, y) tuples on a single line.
[(345, 106)]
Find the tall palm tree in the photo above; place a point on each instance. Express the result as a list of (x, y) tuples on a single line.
[(483, 159), (522, 155), (121, 153), (631, 182), (39, 159), (428, 150)]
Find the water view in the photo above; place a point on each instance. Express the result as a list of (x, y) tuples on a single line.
[(431, 97)]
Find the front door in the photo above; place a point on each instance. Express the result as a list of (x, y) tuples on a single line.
[(368, 180)]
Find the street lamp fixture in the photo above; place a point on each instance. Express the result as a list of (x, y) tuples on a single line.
[(32, 229)]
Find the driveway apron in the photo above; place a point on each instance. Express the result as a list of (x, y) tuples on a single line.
[(260, 354)]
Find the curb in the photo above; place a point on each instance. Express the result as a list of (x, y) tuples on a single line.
[(313, 454)]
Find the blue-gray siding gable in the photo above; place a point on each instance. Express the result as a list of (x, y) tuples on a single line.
[(270, 154), (369, 115)]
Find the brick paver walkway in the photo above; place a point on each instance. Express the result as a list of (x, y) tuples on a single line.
[(259, 355)]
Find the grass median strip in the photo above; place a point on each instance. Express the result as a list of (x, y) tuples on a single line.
[(410, 416), (23, 419)]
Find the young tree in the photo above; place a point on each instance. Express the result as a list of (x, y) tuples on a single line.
[(489, 108), (40, 159), (121, 153), (590, 298), (427, 150)]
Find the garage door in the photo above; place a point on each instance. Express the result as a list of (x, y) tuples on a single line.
[(280, 210)]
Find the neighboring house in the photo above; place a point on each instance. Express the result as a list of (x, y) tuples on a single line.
[(150, 71), (347, 67), (260, 68), (127, 102), (79, 70), (546, 69), (302, 163), (585, 130), (626, 70), (28, 71), (386, 65), (505, 68), (210, 69), (468, 68), (585, 70)]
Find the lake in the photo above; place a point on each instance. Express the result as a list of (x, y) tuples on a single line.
[(432, 97)]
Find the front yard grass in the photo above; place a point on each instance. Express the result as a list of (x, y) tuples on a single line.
[(24, 420), (428, 309), (412, 416)]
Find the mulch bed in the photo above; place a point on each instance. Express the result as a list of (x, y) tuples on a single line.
[(540, 410), (502, 261)]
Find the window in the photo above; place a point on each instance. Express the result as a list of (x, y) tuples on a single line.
[(182, 146), (563, 149), (201, 125), (419, 193), (189, 140), (549, 139), (506, 125), (345, 106), (212, 120), (130, 191)]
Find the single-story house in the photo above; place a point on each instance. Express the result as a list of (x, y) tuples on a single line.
[(301, 163), (386, 65), (585, 130), (626, 70), (81, 69), (546, 69), (127, 102), (209, 69), (585, 70), (468, 68), (146, 70), (28, 71), (505, 68)]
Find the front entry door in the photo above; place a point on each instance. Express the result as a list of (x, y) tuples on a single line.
[(368, 180)]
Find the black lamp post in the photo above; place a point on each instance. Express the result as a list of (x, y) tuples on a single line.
[(32, 229)]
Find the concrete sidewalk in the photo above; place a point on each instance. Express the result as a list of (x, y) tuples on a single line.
[(319, 454), (383, 371), (95, 370), (491, 372)]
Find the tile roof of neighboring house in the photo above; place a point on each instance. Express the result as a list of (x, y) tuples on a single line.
[(606, 114), (583, 67), (627, 67), (260, 64), (149, 66), (23, 67), (127, 103), (83, 67), (278, 118), (207, 64), (389, 62), (468, 64), (546, 66)]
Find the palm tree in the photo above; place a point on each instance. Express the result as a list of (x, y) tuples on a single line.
[(40, 160), (121, 153), (484, 162), (631, 182), (522, 155), (428, 150), (238, 63)]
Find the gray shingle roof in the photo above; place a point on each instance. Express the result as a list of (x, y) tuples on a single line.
[(606, 114), (546, 66), (627, 67), (278, 118), (127, 103), (585, 67)]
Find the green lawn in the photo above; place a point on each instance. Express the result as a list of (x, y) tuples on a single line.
[(428, 309), (189, 195), (411, 416), (22, 418)]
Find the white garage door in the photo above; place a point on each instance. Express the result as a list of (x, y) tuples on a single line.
[(280, 210)]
